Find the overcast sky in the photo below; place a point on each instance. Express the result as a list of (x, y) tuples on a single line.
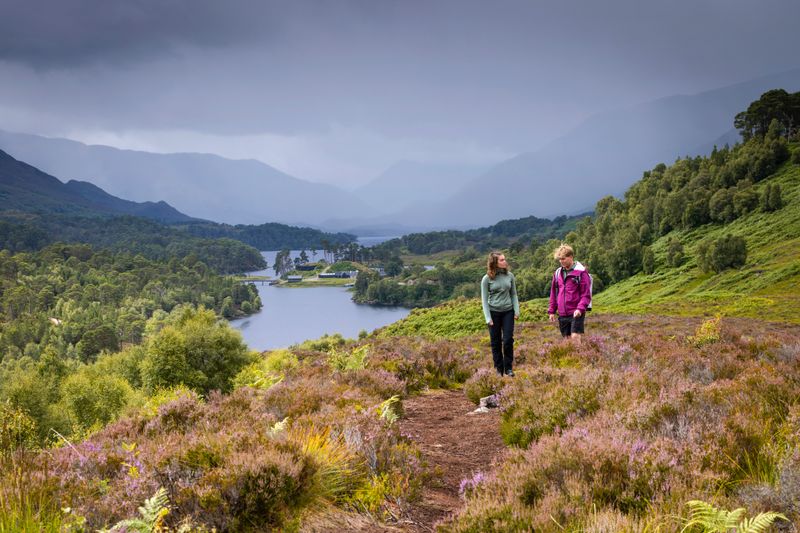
[(336, 91)]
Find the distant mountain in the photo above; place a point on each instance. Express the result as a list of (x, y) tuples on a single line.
[(603, 155), (205, 185), (409, 183), (26, 188)]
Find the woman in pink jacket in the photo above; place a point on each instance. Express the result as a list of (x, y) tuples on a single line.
[(570, 294)]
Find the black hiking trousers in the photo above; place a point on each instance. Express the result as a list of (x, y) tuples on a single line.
[(501, 335)]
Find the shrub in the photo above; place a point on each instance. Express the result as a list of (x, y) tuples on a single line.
[(378, 382), (726, 252), (267, 371), (196, 350), (546, 401), (17, 429), (707, 333), (326, 343), (674, 253), (355, 359), (91, 399)]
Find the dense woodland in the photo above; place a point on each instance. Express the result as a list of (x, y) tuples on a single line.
[(270, 236), (27, 232), (64, 306)]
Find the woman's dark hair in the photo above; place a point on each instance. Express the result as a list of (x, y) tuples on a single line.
[(491, 265)]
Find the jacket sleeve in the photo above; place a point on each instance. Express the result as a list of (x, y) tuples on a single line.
[(553, 307), (514, 298), (485, 298), (586, 292)]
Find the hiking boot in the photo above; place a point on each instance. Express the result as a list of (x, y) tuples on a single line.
[(510, 373)]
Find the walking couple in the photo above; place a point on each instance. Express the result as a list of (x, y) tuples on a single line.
[(570, 297)]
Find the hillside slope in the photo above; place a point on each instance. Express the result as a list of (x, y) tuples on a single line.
[(26, 188), (604, 155), (766, 287), (205, 185)]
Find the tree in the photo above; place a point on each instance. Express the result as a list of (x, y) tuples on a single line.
[(96, 340), (90, 397), (771, 199), (721, 205), (648, 260), (728, 251), (745, 200), (777, 105), (283, 263), (674, 253), (196, 350), (394, 267)]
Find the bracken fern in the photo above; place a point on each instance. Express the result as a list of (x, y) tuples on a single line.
[(709, 519), (152, 515)]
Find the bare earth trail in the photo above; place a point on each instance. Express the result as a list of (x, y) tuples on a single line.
[(455, 443)]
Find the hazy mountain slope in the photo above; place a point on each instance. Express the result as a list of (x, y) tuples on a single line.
[(205, 185), (407, 183), (26, 188), (603, 155)]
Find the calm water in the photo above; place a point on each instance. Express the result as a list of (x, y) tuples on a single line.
[(293, 315)]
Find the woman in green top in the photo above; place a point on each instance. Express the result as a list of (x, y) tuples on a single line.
[(500, 309)]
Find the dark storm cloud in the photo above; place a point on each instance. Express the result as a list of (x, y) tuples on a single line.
[(508, 74), (58, 33)]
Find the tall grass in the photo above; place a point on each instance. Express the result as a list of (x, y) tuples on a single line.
[(28, 501)]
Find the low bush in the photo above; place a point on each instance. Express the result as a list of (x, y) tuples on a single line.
[(483, 383), (17, 430), (547, 401)]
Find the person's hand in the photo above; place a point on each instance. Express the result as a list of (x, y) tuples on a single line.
[(552, 317), (491, 322), (577, 313), (516, 317)]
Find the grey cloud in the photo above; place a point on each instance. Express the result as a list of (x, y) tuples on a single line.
[(508, 75), (59, 34)]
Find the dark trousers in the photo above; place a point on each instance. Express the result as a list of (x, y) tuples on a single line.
[(501, 335)]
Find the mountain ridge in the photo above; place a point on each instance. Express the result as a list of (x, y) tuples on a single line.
[(234, 191), (24, 187)]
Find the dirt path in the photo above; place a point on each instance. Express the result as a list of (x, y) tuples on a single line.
[(455, 443)]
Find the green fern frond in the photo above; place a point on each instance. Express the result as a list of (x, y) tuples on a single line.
[(733, 518), (713, 520), (155, 508), (705, 515), (387, 410), (760, 522)]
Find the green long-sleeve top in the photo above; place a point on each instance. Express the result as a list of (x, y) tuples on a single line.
[(499, 294)]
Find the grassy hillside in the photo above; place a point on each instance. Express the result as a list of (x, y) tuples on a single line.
[(766, 287)]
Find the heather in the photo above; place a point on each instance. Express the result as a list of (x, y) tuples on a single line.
[(648, 413), (617, 433), (303, 435)]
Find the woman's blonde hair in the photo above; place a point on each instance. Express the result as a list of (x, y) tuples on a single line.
[(491, 265), (565, 250)]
